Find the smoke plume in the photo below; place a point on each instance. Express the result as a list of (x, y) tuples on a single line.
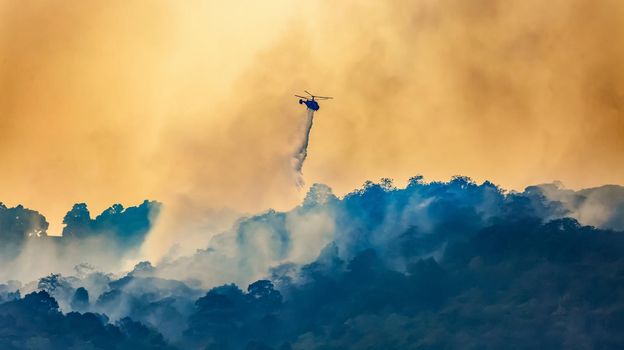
[(302, 151), (190, 102)]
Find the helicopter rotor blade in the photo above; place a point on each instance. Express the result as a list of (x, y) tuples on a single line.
[(316, 97), (301, 96)]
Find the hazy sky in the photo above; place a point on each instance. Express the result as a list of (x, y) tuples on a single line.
[(190, 102)]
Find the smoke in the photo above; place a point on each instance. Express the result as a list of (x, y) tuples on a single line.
[(230, 247), (423, 217), (108, 242), (190, 102), (45, 256), (301, 153), (599, 206), (400, 265)]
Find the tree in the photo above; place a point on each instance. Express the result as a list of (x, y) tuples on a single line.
[(262, 294), (80, 301)]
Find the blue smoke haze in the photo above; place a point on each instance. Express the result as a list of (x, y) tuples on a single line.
[(430, 266)]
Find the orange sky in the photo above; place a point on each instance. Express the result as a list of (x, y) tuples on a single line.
[(190, 102)]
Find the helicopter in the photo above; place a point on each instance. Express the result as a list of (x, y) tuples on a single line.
[(310, 102)]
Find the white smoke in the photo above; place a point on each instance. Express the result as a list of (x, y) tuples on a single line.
[(302, 151)]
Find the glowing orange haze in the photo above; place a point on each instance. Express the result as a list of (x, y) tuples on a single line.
[(191, 102)]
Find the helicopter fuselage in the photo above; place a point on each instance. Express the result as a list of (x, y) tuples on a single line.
[(311, 104)]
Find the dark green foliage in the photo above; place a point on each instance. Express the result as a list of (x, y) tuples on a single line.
[(16, 225), (451, 265), (35, 322), (510, 272), (80, 300), (126, 227)]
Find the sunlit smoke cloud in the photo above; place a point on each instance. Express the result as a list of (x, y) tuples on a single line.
[(190, 102)]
